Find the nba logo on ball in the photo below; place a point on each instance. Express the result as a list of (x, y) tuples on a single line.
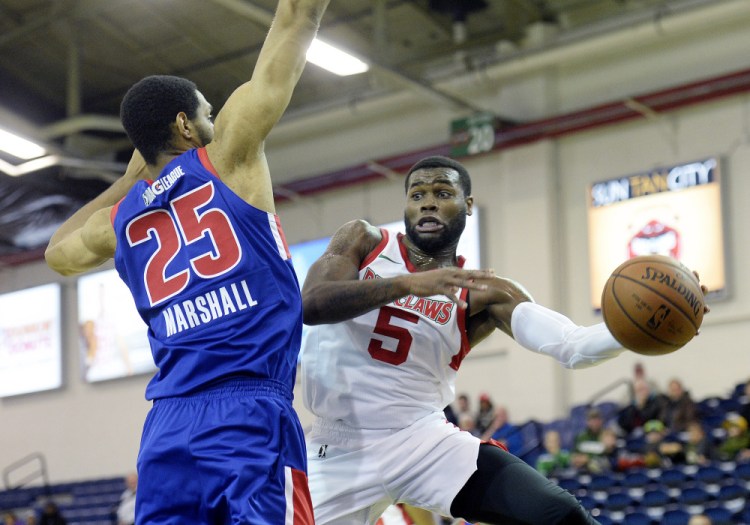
[(661, 313), (652, 304)]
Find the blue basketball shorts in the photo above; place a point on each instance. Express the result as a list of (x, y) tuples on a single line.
[(234, 453)]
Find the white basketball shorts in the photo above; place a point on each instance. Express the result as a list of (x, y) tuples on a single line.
[(355, 474)]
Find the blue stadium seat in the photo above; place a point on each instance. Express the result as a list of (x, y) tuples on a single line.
[(603, 519), (564, 428), (738, 391), (655, 502), (732, 496), (710, 475), (675, 517), (618, 501), (719, 516), (608, 409), (637, 518), (572, 485), (742, 473), (729, 405), (602, 482), (636, 444), (636, 482), (588, 502), (694, 499), (744, 515), (674, 478)]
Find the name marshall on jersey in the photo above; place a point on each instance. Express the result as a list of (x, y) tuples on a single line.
[(437, 311), (208, 307), (161, 185)]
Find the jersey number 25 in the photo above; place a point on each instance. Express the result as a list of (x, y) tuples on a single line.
[(169, 230)]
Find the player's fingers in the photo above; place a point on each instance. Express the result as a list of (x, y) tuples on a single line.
[(453, 297), (472, 284)]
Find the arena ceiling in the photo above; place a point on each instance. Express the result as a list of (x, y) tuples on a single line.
[(65, 65)]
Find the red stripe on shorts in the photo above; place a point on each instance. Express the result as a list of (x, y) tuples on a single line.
[(303, 509)]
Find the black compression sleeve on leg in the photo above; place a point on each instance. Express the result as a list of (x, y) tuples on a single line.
[(505, 490)]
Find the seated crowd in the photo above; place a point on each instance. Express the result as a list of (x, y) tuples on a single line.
[(652, 429)]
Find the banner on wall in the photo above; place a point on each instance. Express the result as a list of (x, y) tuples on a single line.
[(30, 346), (674, 211)]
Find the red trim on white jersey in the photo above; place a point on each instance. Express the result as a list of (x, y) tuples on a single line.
[(377, 250), (203, 157), (461, 320), (299, 509), (460, 260)]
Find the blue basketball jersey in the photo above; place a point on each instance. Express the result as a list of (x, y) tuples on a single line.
[(212, 277)]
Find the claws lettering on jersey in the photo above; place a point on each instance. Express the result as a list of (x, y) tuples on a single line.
[(322, 451)]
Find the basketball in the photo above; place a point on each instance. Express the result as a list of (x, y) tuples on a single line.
[(652, 304)]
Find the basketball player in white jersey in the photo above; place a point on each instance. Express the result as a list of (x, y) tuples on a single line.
[(394, 316)]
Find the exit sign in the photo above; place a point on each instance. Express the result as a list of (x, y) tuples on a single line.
[(474, 134)]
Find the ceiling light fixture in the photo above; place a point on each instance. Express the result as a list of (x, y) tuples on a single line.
[(334, 60), (19, 147)]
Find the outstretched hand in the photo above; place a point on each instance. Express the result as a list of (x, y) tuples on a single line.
[(447, 281), (704, 289)]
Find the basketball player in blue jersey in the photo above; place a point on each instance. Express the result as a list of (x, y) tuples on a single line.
[(394, 317), (193, 233)]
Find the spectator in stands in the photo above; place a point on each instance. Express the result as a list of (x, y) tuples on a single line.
[(503, 431), (699, 447), (554, 458), (679, 407), (646, 405), (463, 405), (699, 519), (662, 449), (126, 506), (9, 518), (588, 442), (468, 423), (613, 456), (736, 445), (486, 413), (51, 515)]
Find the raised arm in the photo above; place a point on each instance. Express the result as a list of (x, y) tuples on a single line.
[(507, 306), (256, 106), (67, 253), (334, 293)]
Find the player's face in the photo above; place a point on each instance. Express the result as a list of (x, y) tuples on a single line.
[(436, 209), (203, 121)]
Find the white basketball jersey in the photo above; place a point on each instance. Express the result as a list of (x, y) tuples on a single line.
[(391, 366)]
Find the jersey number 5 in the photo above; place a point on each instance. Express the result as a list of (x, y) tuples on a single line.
[(399, 333), (165, 229)]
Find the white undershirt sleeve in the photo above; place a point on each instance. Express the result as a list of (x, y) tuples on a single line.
[(548, 332)]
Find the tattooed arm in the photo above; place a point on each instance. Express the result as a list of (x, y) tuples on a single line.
[(333, 292)]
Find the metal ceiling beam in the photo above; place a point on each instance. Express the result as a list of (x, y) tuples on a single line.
[(263, 17), (79, 123)]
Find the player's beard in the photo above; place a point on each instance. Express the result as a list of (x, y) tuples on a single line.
[(435, 243)]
